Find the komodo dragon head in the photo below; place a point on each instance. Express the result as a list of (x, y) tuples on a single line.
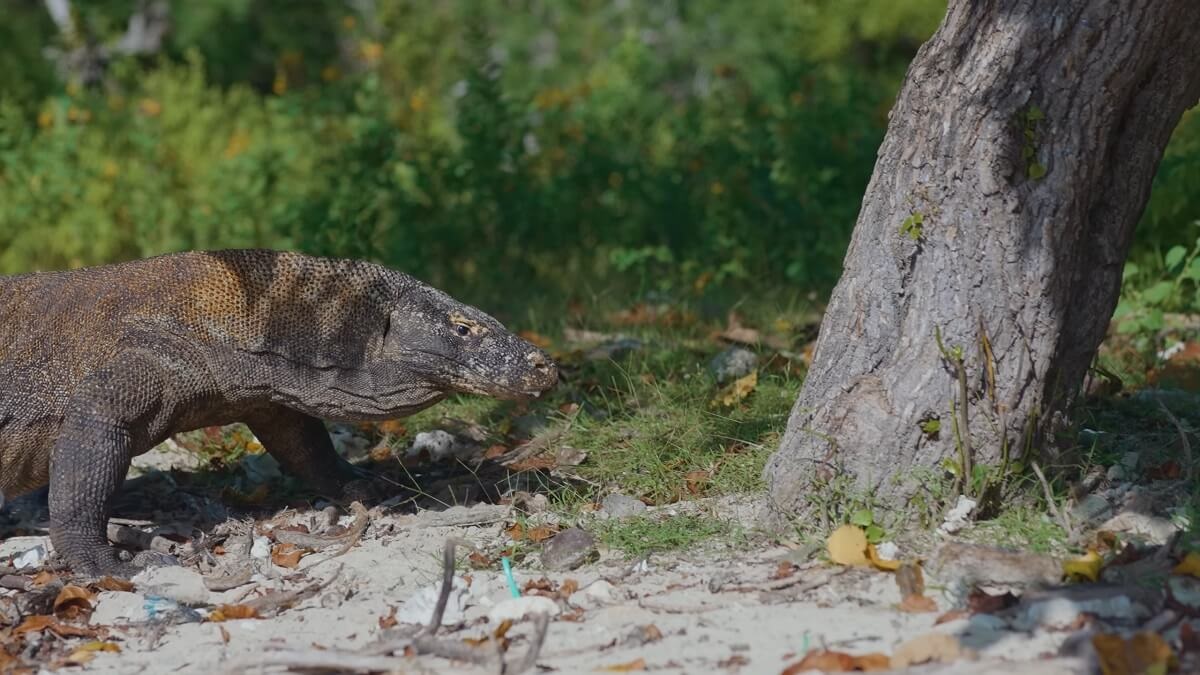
[(457, 347)]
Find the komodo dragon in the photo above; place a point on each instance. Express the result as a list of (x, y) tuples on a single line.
[(99, 365)]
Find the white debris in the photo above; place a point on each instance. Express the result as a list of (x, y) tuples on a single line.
[(419, 607), (515, 609), (959, 516)]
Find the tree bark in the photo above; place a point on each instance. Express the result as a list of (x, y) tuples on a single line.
[(1018, 158)]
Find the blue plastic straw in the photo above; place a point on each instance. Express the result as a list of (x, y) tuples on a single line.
[(512, 583)]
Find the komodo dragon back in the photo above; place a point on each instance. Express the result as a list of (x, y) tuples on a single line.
[(100, 364)]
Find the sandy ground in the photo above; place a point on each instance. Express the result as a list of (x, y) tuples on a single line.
[(720, 607)]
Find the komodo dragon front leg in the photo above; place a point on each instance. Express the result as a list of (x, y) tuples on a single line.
[(118, 412), (301, 445)]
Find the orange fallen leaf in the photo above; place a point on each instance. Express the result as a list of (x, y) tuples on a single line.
[(736, 392), (389, 621), (848, 546), (230, 612), (494, 451), (696, 480), (114, 584), (918, 604), (86, 652), (785, 569), (42, 622), (286, 555), (880, 563), (73, 601), (837, 662), (1190, 565), (42, 578), (519, 532), (393, 427), (636, 664), (1141, 653)]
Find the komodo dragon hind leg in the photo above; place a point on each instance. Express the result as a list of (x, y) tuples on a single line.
[(302, 446), (104, 428)]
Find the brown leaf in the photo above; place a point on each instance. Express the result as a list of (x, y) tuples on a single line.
[(651, 633), (837, 662), (286, 555), (538, 534), (389, 621), (224, 634), (636, 664), (113, 584), (1141, 653), (917, 604), (42, 622), (494, 451), (785, 569), (42, 578), (567, 587), (696, 480), (737, 391), (981, 602), (542, 461), (73, 601), (480, 561), (910, 580), (392, 427), (928, 648), (230, 612)]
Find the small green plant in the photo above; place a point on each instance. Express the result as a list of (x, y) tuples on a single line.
[(865, 518), (912, 226), (642, 535)]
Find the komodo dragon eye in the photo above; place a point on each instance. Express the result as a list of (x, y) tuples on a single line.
[(462, 329)]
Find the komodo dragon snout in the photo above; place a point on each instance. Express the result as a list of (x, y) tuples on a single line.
[(459, 348)]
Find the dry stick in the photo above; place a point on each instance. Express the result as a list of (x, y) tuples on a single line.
[(1060, 515), (324, 660), (278, 600), (361, 519), (1183, 440), (135, 538)]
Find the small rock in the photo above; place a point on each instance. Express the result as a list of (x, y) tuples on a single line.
[(439, 444), (180, 584), (261, 548), (1130, 460), (1154, 530), (516, 609), (733, 363), (959, 516), (618, 505), (33, 557), (1062, 607), (119, 607), (1092, 509), (1116, 472), (568, 549), (419, 607), (595, 594), (261, 468), (614, 349)]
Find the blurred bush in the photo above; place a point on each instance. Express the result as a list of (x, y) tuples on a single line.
[(485, 146)]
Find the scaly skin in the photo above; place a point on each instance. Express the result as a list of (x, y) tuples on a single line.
[(100, 365)]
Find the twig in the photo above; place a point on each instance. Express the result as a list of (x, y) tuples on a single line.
[(273, 602), (1060, 515), (16, 582), (144, 541), (323, 660), (230, 580), (361, 519), (1183, 440)]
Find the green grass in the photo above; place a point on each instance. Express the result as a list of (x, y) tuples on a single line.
[(642, 535)]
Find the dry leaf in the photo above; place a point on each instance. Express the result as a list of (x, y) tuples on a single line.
[(231, 612), (848, 546), (1141, 653), (543, 461), (392, 427), (651, 633), (538, 534), (636, 664), (928, 648), (42, 622), (224, 634), (952, 615), (696, 480), (837, 662), (72, 601), (737, 391), (880, 563), (494, 451), (917, 604), (389, 621), (1189, 639), (44, 577), (1190, 565), (114, 584), (86, 652), (286, 555), (910, 579), (785, 569), (982, 602), (1086, 566)]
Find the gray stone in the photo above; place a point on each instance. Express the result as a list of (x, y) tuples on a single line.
[(180, 584), (733, 363), (614, 349), (1092, 509), (568, 549), (1116, 472), (595, 594), (618, 505), (1152, 529)]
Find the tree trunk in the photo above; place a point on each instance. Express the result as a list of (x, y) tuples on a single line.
[(1018, 158)]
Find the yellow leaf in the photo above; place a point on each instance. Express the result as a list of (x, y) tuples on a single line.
[(1084, 567), (1189, 565), (738, 391), (1142, 653), (880, 563), (848, 546)]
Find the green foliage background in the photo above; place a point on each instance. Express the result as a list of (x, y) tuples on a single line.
[(492, 148)]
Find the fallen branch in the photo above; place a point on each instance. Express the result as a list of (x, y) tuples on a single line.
[(279, 600), (230, 580), (143, 541), (1183, 441), (1059, 514), (347, 541)]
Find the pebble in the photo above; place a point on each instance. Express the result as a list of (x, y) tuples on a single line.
[(568, 549), (732, 363), (617, 505)]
